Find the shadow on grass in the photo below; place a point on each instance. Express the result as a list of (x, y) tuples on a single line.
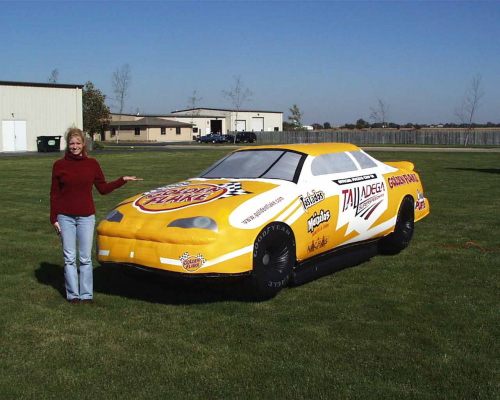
[(51, 275), (155, 288), (486, 170), (147, 287), (134, 284)]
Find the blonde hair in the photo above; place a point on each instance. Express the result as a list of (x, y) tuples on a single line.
[(76, 133)]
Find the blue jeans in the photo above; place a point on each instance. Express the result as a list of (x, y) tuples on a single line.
[(77, 229)]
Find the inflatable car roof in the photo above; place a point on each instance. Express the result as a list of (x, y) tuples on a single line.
[(312, 149)]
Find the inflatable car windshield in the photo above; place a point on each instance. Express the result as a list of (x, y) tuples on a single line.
[(269, 212)]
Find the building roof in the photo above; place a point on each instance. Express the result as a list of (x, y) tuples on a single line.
[(171, 115), (222, 109), (35, 84), (149, 122)]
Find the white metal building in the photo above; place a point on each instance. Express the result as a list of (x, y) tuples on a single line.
[(215, 120), (29, 110)]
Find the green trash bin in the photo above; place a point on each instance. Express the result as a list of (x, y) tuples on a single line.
[(48, 143)]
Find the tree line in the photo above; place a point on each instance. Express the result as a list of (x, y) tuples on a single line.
[(380, 114), (362, 124)]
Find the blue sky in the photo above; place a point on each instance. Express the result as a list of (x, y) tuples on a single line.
[(333, 59)]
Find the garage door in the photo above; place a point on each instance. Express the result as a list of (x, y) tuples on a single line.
[(14, 136), (241, 125), (257, 124)]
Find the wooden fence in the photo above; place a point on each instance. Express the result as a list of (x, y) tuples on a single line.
[(374, 136)]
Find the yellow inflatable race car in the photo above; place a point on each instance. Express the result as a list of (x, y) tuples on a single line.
[(278, 214)]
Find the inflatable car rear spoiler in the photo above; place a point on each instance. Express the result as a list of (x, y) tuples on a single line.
[(402, 165)]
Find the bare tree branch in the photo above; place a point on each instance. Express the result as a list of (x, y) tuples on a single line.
[(238, 95), (381, 113), (54, 76), (193, 101), (470, 102), (121, 83)]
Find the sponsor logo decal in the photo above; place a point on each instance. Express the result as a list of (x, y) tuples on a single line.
[(420, 203), (317, 219), (311, 199), (399, 180), (364, 200), (262, 210), (317, 244), (355, 179), (192, 263), (185, 194)]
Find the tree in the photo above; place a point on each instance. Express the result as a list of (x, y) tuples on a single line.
[(54, 76), (121, 83), (361, 124), (238, 95), (296, 116), (193, 101), (287, 126), (380, 114), (95, 112), (327, 125), (470, 103)]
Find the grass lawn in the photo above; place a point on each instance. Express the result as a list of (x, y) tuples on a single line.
[(421, 325)]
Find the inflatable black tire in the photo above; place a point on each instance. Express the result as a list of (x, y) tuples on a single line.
[(399, 240), (273, 261)]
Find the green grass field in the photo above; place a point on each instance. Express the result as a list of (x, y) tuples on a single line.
[(420, 325)]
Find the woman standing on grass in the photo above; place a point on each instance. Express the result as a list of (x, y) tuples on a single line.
[(72, 211)]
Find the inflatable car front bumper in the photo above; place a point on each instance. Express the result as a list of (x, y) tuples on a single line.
[(179, 258)]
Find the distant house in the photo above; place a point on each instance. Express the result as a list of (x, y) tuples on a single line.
[(29, 110), (147, 128)]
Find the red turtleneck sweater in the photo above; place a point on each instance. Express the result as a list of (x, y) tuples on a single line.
[(72, 181)]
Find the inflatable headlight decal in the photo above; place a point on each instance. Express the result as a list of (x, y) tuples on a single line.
[(114, 216), (195, 222)]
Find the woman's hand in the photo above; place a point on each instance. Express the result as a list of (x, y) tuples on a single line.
[(131, 178), (57, 228)]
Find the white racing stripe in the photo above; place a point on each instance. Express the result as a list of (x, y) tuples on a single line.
[(229, 256), (225, 257), (291, 208), (295, 216), (374, 231), (170, 261)]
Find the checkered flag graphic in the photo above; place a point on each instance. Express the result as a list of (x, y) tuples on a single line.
[(233, 189)]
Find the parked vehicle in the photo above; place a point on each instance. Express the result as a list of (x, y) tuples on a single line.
[(212, 138), (272, 214), (246, 137)]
